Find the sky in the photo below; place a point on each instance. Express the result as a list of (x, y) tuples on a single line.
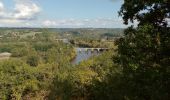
[(61, 13)]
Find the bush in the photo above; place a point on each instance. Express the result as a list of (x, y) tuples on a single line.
[(33, 60)]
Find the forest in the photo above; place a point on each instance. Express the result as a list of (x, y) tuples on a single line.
[(40, 67), (36, 63)]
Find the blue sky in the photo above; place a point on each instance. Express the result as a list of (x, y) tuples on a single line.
[(61, 13)]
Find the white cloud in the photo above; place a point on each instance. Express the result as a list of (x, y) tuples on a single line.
[(62, 23), (24, 10), (76, 23), (49, 23), (25, 14), (1, 6)]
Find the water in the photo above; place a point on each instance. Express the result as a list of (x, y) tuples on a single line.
[(83, 54)]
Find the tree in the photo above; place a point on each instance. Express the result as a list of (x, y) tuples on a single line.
[(143, 53), (146, 11), (33, 60)]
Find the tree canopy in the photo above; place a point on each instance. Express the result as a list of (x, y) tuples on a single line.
[(146, 11), (143, 53)]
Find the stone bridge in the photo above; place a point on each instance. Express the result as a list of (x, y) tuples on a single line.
[(62, 40), (91, 49)]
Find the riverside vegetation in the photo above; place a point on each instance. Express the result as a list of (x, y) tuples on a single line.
[(40, 67)]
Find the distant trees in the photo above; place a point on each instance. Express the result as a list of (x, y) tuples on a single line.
[(19, 52), (81, 42), (32, 67), (33, 60), (42, 46)]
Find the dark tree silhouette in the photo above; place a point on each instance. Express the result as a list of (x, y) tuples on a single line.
[(143, 53)]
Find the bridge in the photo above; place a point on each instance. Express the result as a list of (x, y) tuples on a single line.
[(62, 40), (91, 49)]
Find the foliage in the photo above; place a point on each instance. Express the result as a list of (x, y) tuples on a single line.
[(143, 52), (85, 80), (33, 60), (18, 80), (153, 12), (40, 67), (93, 43)]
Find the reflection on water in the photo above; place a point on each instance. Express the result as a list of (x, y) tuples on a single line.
[(84, 54)]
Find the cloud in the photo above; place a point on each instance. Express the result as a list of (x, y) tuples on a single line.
[(83, 23), (1, 6), (24, 10), (62, 23)]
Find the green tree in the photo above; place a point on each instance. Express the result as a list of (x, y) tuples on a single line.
[(33, 60), (152, 11), (143, 52)]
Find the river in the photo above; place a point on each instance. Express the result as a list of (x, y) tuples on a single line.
[(84, 54)]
